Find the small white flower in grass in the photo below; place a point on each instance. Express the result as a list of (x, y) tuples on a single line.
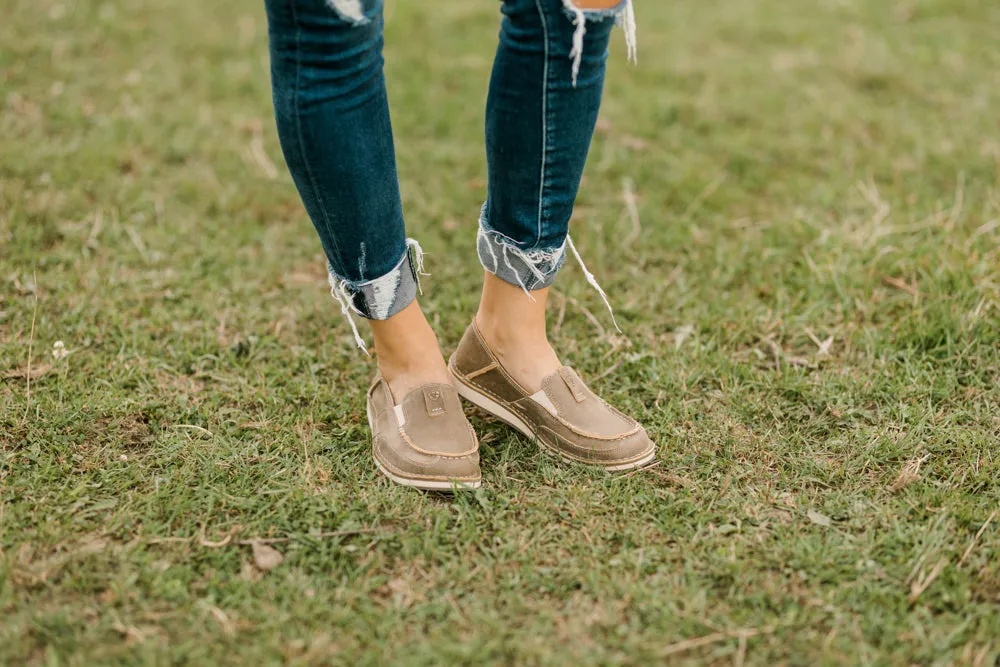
[(59, 350), (123, 458)]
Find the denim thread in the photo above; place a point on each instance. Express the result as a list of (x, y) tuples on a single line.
[(624, 16)]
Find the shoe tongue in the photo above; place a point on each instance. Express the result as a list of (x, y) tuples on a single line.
[(434, 398), (577, 404), (433, 422), (572, 381), (565, 384)]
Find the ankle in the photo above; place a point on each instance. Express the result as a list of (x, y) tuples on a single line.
[(407, 372), (414, 362), (407, 352), (513, 326), (505, 331), (415, 354), (524, 352)]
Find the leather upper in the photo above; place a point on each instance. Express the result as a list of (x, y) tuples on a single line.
[(427, 437), (569, 418)]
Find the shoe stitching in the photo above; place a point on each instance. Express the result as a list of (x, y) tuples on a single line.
[(629, 422), (409, 475), (600, 462), (409, 459), (587, 434), (444, 455), (516, 409), (548, 446), (464, 455), (484, 370), (484, 390), (636, 427)]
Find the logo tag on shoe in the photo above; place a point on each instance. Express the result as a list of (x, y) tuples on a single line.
[(434, 401), (574, 384)]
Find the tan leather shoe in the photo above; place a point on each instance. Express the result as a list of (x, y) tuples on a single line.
[(566, 417), (424, 442)]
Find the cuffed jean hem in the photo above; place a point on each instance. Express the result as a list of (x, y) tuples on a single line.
[(528, 269), (381, 298)]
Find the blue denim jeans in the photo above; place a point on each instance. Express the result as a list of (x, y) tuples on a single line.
[(333, 122)]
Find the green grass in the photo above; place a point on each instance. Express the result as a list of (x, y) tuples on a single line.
[(805, 172)]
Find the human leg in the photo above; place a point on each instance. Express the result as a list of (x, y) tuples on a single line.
[(544, 99), (545, 94), (333, 121)]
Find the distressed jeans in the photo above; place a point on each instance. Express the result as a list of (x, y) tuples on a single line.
[(333, 121)]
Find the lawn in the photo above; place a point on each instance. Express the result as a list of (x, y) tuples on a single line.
[(794, 208)]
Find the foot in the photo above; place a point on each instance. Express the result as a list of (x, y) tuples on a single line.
[(524, 352), (564, 415), (424, 440), (513, 326)]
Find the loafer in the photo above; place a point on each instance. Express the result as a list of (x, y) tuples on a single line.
[(425, 441), (565, 416)]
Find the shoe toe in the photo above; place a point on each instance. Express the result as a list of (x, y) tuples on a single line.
[(424, 442), (638, 449)]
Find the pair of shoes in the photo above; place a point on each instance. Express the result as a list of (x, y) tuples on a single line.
[(427, 443)]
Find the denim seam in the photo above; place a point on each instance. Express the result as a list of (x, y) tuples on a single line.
[(302, 144), (545, 123)]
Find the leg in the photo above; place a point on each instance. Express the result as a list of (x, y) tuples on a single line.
[(333, 121), (544, 99), (515, 328)]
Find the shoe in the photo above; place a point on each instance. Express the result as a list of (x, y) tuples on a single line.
[(566, 417), (425, 442)]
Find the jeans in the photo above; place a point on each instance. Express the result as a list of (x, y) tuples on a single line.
[(333, 122)]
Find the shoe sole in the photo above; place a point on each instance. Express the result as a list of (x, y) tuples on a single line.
[(490, 406), (419, 484)]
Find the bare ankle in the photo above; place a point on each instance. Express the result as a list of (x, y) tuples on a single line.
[(503, 335), (407, 352), (508, 315)]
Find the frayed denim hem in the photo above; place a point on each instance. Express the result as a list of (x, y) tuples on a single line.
[(528, 269), (382, 297), (531, 270)]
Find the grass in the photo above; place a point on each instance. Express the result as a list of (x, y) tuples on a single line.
[(813, 319)]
